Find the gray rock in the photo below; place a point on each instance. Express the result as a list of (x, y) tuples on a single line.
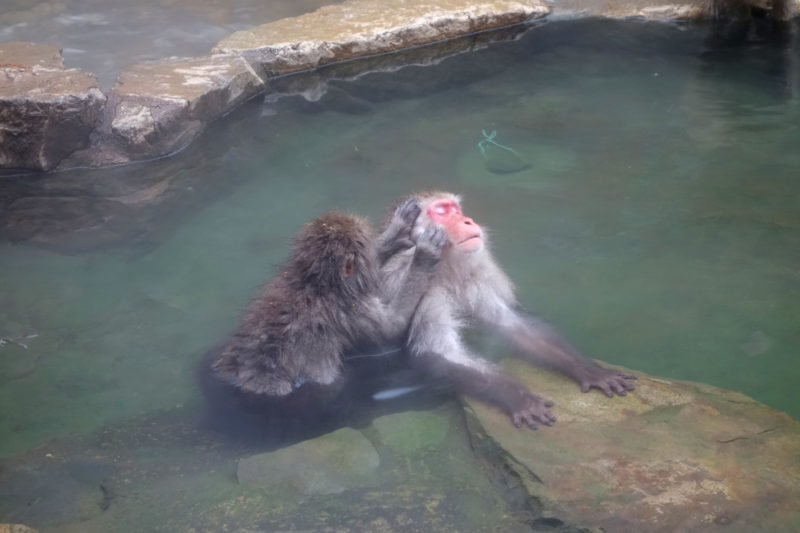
[(359, 28), (46, 112), (500, 160), (330, 464), (670, 456), (158, 108)]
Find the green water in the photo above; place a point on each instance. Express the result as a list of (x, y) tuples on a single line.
[(658, 225)]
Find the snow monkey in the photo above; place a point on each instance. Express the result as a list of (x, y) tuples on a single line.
[(468, 284), (334, 294)]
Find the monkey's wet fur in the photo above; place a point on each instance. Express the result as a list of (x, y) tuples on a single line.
[(298, 327)]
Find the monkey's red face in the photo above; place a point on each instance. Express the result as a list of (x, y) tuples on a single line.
[(464, 233)]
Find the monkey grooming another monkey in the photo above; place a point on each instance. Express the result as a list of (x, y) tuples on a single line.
[(333, 294), (468, 284)]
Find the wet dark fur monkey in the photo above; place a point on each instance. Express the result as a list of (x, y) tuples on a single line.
[(334, 294), (469, 285)]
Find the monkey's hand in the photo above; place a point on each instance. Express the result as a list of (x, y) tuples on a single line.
[(408, 211), (532, 410), (397, 235), (609, 381), (429, 246)]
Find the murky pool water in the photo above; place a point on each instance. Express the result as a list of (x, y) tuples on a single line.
[(658, 225)]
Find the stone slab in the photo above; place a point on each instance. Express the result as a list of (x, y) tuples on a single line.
[(46, 112), (158, 108), (360, 28), (671, 456)]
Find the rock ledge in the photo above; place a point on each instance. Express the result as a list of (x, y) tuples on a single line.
[(672, 456)]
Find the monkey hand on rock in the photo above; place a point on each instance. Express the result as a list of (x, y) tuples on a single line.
[(607, 380), (532, 410)]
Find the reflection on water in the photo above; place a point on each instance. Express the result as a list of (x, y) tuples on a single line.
[(104, 37), (657, 225)]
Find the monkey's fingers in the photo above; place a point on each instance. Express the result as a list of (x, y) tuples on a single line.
[(518, 419), (434, 237), (609, 388), (408, 210), (534, 411), (602, 386)]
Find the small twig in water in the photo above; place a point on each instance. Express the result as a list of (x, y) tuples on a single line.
[(16, 340)]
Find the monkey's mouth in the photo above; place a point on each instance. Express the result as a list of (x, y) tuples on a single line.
[(469, 239)]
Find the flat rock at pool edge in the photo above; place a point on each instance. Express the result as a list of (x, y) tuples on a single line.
[(159, 107), (360, 28), (670, 456), (47, 112)]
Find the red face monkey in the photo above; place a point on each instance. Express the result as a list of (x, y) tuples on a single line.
[(468, 284)]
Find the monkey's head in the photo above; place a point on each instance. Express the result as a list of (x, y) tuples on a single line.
[(444, 209), (335, 253)]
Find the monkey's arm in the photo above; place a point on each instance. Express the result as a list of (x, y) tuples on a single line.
[(543, 345), (405, 281), (437, 349)]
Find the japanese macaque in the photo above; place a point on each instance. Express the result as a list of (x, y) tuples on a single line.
[(468, 284), (334, 293)]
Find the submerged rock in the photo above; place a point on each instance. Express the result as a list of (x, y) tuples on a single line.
[(46, 111), (413, 431), (44, 494), (330, 464), (499, 160), (671, 456)]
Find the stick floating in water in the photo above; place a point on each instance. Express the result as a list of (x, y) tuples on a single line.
[(17, 340)]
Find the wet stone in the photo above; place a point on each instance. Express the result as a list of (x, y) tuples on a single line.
[(330, 464), (412, 431), (46, 112), (503, 161), (361, 28), (158, 108), (670, 456)]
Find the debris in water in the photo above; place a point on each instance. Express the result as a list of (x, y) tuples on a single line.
[(17, 340), (498, 158)]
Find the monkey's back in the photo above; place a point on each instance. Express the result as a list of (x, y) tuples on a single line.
[(296, 329)]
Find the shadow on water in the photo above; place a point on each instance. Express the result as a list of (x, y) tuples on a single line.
[(136, 205), (659, 230)]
